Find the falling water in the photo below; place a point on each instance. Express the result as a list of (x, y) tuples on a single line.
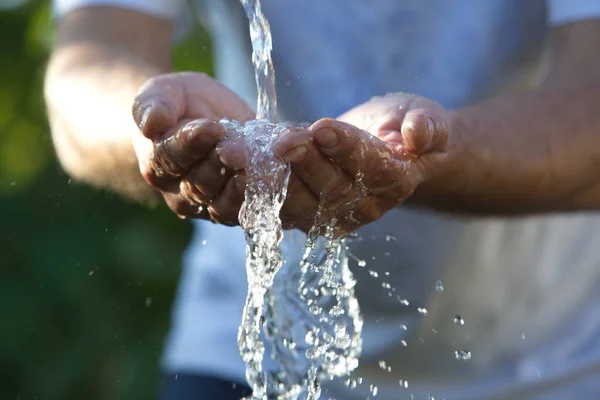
[(262, 44), (314, 327), (267, 178)]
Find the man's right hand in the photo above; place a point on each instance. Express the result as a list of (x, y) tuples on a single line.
[(176, 147)]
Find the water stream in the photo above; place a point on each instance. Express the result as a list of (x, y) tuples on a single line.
[(310, 317)]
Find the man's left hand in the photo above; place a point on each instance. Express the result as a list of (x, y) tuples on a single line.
[(365, 163)]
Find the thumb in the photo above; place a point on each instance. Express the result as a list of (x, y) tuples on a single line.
[(158, 106), (425, 130)]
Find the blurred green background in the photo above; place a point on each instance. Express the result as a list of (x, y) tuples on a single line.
[(86, 280)]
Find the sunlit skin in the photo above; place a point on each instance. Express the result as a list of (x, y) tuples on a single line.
[(534, 151), (407, 136)]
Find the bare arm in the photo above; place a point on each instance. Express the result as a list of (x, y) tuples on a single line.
[(102, 57), (530, 152)]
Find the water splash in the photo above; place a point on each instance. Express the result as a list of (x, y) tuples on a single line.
[(324, 342), (266, 188), (462, 355), (316, 306)]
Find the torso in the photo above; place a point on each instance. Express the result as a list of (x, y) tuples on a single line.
[(530, 277)]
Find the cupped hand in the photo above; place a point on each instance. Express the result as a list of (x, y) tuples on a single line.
[(178, 118), (366, 162)]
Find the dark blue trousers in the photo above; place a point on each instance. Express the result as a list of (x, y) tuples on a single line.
[(198, 387)]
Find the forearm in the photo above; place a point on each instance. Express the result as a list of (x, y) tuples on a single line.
[(89, 88), (530, 152)]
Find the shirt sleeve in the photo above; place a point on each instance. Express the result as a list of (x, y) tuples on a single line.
[(171, 9), (566, 11)]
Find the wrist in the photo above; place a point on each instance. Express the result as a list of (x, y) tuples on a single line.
[(453, 175)]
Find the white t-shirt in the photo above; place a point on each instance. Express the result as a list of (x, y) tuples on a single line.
[(525, 287)]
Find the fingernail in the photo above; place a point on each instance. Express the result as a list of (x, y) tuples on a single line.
[(430, 126), (327, 138), (142, 114), (240, 183), (295, 155)]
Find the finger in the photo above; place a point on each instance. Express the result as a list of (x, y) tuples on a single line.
[(379, 165), (225, 208), (204, 181), (423, 132), (321, 176), (380, 110), (233, 152), (184, 208), (174, 156), (166, 99), (159, 105), (300, 206)]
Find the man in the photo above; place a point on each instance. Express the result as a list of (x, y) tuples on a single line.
[(510, 149)]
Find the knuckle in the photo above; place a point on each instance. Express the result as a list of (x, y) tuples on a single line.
[(179, 206), (368, 210), (150, 176), (385, 173), (165, 162), (336, 190), (192, 193), (202, 127), (203, 185), (223, 214)]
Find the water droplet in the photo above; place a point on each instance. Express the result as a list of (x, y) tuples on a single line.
[(374, 274), (13, 184), (462, 355), (522, 335), (373, 389), (204, 243), (310, 337), (91, 273), (223, 170), (390, 238), (362, 263), (148, 301), (439, 286), (404, 302), (289, 344), (404, 327), (383, 365), (315, 310), (458, 320), (386, 285), (422, 310), (403, 343), (351, 383)]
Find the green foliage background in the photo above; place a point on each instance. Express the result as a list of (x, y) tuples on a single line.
[(86, 280)]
